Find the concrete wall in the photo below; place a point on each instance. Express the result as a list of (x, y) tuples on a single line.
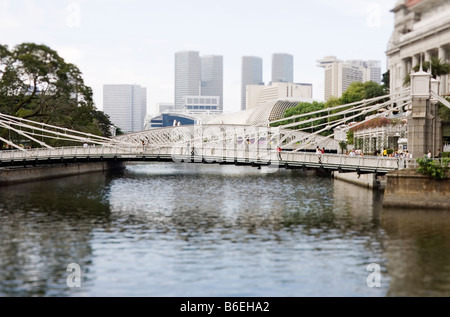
[(408, 189), (12, 175), (364, 180)]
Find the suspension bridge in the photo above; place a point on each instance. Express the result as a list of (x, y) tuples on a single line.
[(254, 145)]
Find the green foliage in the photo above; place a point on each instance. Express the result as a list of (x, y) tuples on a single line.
[(358, 91), (37, 84), (386, 80), (302, 108), (342, 145), (445, 154), (433, 168), (350, 137)]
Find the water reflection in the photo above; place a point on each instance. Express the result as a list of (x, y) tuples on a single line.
[(45, 226), (418, 252), (208, 230)]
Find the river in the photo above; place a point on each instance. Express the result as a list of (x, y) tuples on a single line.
[(166, 229)]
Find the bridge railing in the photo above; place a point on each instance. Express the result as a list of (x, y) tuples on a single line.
[(63, 152), (238, 153)]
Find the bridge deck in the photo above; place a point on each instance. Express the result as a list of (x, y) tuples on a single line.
[(239, 156)]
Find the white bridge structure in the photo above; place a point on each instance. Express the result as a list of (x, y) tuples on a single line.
[(254, 145)]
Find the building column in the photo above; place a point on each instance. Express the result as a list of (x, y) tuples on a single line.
[(442, 54), (404, 71), (419, 123), (415, 60)]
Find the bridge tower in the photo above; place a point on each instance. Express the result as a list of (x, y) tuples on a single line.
[(424, 123)]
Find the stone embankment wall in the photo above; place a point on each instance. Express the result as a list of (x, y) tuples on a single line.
[(13, 175), (364, 180), (409, 189)]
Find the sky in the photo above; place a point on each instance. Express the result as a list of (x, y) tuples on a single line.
[(135, 41)]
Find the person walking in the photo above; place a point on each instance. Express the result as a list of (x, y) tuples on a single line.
[(279, 152)]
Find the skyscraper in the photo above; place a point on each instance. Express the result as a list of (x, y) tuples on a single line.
[(126, 106), (282, 68), (212, 77), (187, 76), (340, 74), (252, 71), (198, 76)]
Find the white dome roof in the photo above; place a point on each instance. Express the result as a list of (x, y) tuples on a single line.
[(261, 115)]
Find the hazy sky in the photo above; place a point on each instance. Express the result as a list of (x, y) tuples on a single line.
[(134, 42)]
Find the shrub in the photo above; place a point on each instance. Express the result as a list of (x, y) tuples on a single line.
[(435, 169)]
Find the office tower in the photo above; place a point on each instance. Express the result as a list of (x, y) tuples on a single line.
[(212, 77), (340, 74), (126, 106), (198, 76), (187, 76), (251, 75), (371, 69), (282, 68)]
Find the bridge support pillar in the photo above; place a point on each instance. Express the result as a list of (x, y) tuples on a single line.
[(424, 124)]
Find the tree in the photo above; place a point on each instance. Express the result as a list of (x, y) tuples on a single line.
[(358, 91), (304, 108), (386, 80), (37, 84), (355, 92)]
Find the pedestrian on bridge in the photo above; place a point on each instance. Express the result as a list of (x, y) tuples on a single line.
[(279, 152)]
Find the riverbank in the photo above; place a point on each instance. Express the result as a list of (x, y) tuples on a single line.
[(14, 175), (409, 189)]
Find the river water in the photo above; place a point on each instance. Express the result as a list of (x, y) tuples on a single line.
[(166, 229)]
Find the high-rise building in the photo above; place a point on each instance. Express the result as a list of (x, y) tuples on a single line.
[(212, 77), (187, 75), (282, 68), (126, 106), (371, 69), (252, 73), (198, 76), (340, 74)]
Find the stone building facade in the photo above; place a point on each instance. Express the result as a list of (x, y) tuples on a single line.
[(421, 30)]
